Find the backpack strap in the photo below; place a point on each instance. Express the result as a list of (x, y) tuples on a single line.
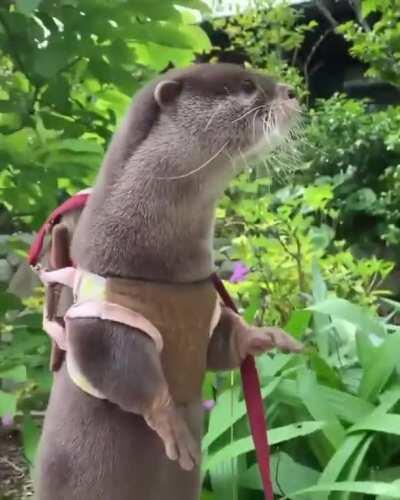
[(77, 201)]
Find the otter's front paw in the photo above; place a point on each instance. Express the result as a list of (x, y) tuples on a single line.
[(178, 440), (255, 341)]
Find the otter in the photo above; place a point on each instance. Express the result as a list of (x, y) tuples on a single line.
[(149, 224)]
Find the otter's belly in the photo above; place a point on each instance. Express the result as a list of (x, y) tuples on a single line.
[(92, 450)]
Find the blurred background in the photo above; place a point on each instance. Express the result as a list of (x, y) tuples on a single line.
[(308, 238)]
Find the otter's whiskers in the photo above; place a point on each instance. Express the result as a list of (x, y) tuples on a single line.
[(192, 172)]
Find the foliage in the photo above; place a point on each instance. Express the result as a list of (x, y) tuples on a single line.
[(377, 44), (333, 412), (269, 34), (69, 70), (278, 235), (359, 151), (357, 144)]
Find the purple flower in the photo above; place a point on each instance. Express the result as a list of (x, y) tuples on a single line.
[(209, 404), (7, 420), (240, 271)]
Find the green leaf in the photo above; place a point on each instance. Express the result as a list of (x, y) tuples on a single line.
[(380, 367), (368, 6), (388, 423), (356, 464), (277, 435), (17, 374), (346, 406), (313, 399), (339, 460), (343, 309), (30, 438), (321, 321), (224, 478), (318, 196), (287, 475), (8, 404), (366, 487), (48, 62), (229, 410), (298, 323), (27, 6)]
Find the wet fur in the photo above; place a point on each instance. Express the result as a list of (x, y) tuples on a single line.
[(140, 224)]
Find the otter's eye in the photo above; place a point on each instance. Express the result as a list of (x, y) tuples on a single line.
[(248, 86)]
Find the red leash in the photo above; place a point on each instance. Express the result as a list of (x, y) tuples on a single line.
[(254, 404), (248, 370)]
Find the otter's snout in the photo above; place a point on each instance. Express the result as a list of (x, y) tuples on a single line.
[(285, 92)]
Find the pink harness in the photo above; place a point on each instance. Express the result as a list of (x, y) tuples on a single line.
[(102, 309), (115, 312)]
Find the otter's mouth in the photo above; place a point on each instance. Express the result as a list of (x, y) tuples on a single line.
[(271, 125)]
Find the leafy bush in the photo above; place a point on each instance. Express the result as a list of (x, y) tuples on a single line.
[(378, 43), (333, 412), (278, 235), (359, 152)]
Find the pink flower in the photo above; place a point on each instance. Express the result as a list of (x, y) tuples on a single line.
[(240, 271), (7, 421), (209, 404)]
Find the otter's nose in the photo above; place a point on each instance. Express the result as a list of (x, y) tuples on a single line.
[(285, 92)]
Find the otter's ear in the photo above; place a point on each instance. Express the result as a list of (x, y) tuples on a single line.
[(166, 92)]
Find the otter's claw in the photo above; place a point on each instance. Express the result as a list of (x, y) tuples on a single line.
[(178, 441), (260, 340)]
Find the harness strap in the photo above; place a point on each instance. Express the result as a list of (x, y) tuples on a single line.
[(119, 314), (102, 309), (254, 404)]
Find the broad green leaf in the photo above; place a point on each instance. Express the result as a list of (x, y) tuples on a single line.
[(27, 6), (298, 323), (17, 373), (48, 62), (318, 196), (195, 4), (285, 472), (224, 478), (339, 460), (277, 435), (313, 399), (380, 367), (228, 411), (8, 404), (388, 423), (321, 321), (356, 464), (346, 406), (30, 438), (368, 6), (365, 487), (343, 309)]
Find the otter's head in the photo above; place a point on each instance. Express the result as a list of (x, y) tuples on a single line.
[(200, 120), (225, 109)]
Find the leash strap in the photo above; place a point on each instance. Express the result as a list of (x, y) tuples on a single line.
[(254, 404), (248, 370)]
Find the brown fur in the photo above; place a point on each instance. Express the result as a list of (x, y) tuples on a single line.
[(144, 222)]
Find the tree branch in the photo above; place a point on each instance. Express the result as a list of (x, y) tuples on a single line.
[(312, 53), (326, 13)]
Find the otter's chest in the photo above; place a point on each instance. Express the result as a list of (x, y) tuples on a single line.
[(185, 315)]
